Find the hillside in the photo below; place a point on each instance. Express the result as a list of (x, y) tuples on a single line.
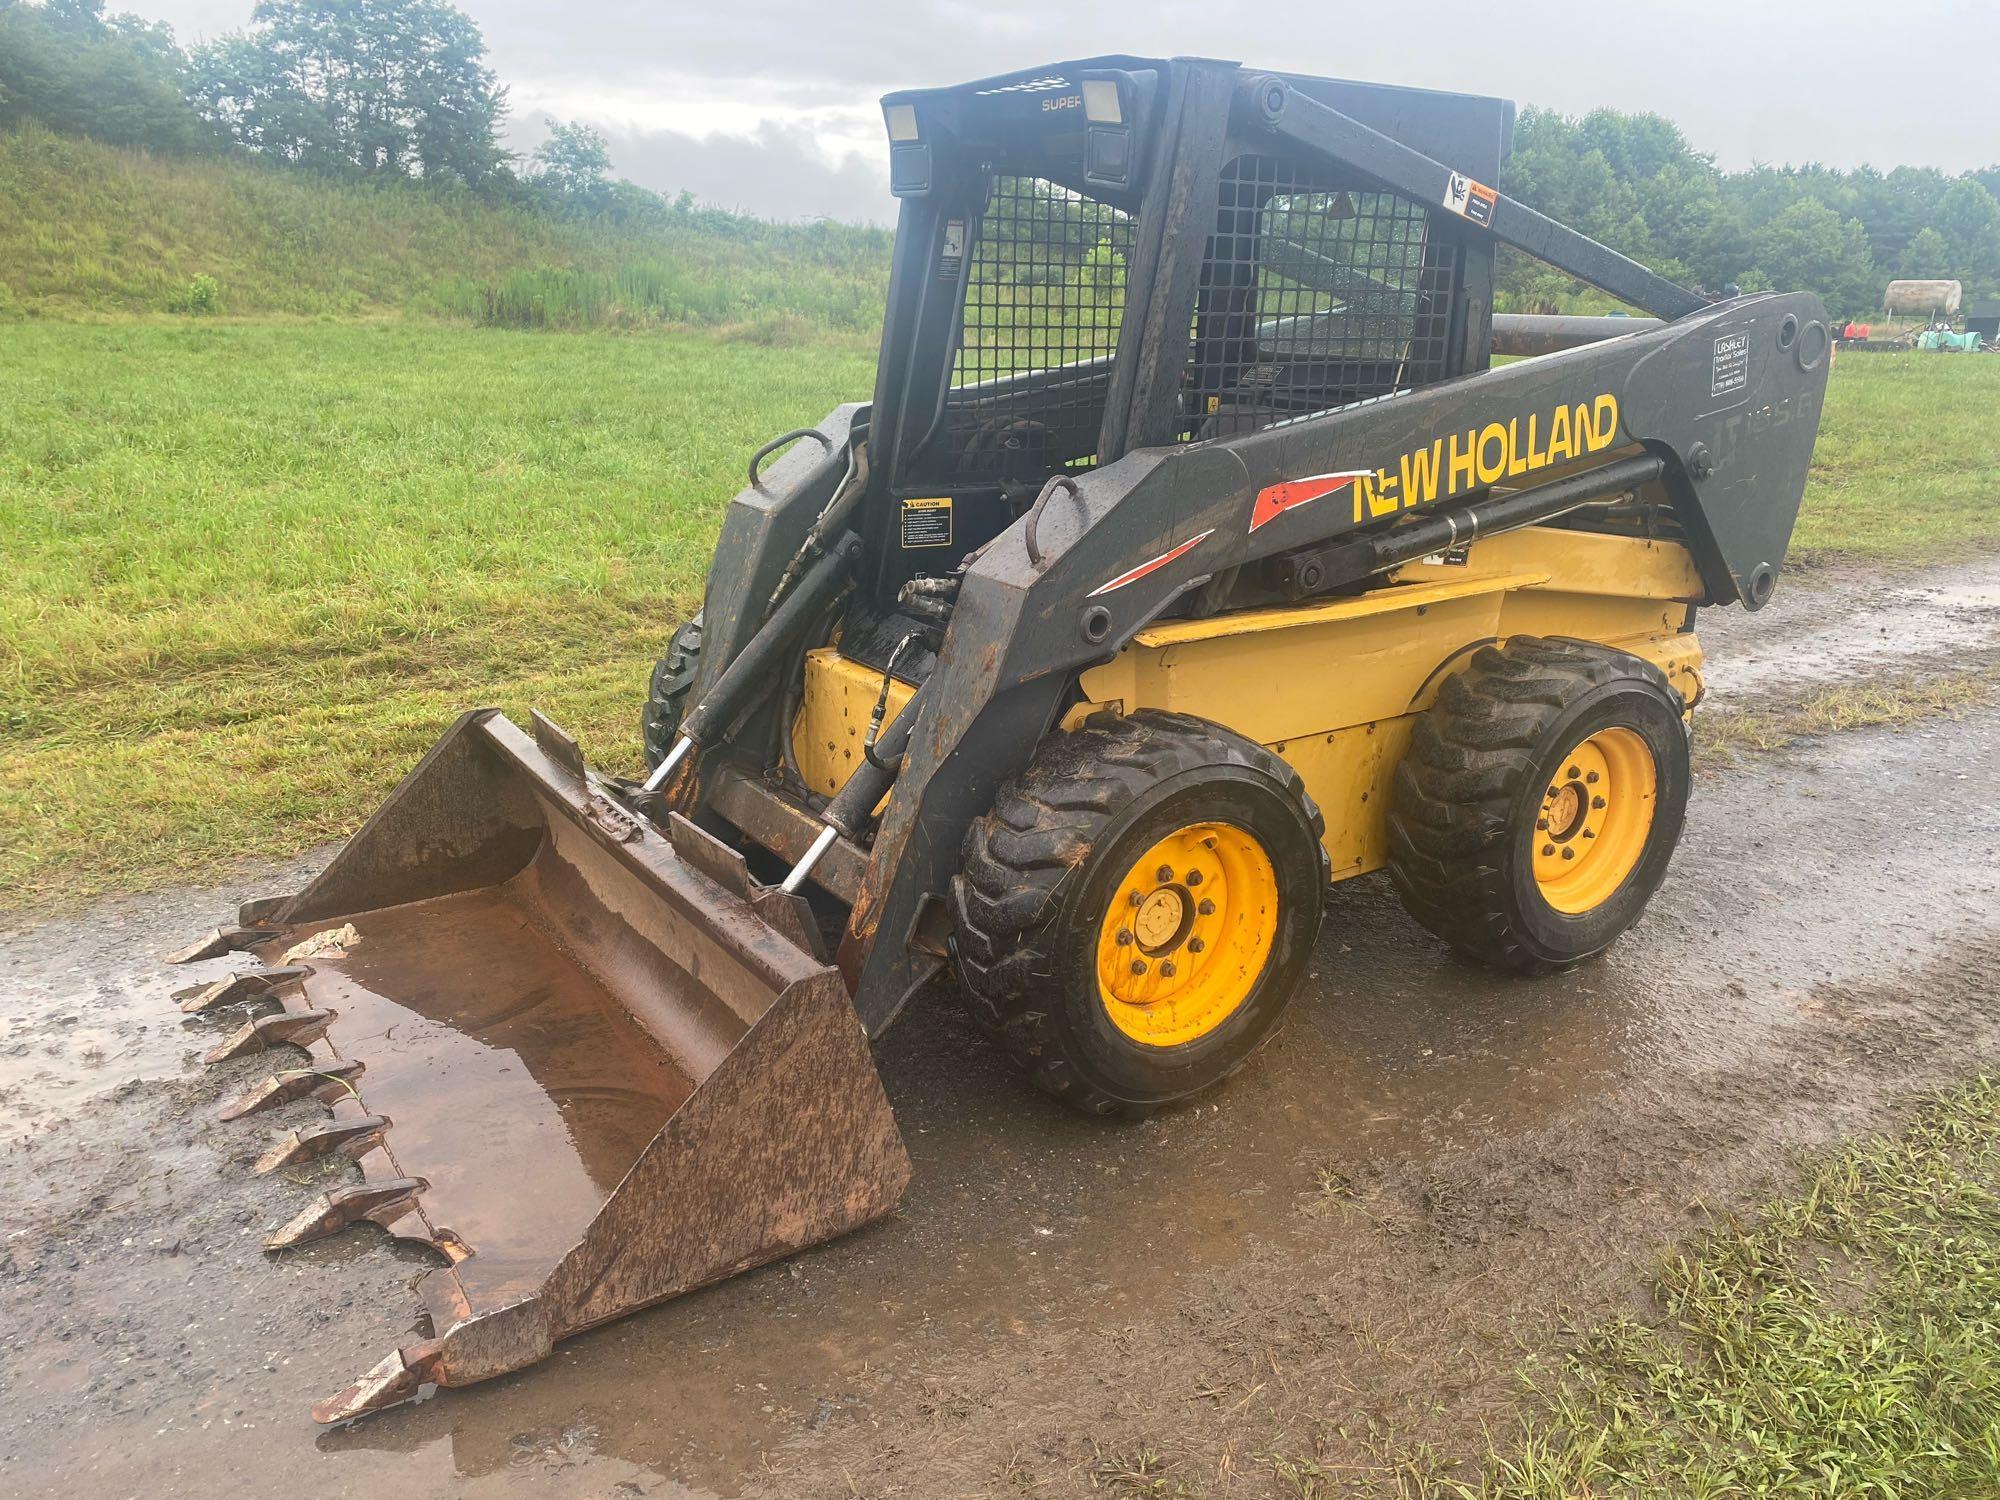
[(89, 231)]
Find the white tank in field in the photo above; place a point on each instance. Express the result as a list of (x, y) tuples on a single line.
[(1922, 299)]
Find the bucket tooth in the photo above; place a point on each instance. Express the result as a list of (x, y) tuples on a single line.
[(399, 1378), (237, 989), (222, 940), (258, 911), (328, 1081), (297, 1027), (349, 1136), (616, 1063), (381, 1202)]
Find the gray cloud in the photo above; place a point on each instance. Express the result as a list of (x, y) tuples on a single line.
[(781, 172), (721, 99)]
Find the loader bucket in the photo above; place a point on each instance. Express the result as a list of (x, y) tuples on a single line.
[(592, 1064)]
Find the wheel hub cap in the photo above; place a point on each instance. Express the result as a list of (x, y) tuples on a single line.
[(1159, 919), (1595, 817), (1190, 929)]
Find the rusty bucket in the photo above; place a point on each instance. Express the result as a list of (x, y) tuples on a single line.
[(591, 1063)]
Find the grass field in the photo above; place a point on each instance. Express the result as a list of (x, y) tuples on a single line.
[(254, 569), (1908, 463), (1844, 1341)]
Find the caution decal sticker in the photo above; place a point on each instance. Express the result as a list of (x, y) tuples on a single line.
[(927, 523), (1469, 199)]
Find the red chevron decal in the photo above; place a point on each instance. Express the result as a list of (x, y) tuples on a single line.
[(1147, 567), (1274, 500)]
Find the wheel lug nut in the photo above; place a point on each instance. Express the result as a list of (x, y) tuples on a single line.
[(1138, 966), (1194, 877), (1133, 898), (1207, 908), (1164, 874), (1574, 772), (1569, 854), (1548, 848), (1195, 945), (1124, 938), (1541, 823), (1167, 970), (1591, 778), (1597, 802), (1590, 833)]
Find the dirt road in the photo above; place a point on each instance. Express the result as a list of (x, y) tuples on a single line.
[(1341, 1257)]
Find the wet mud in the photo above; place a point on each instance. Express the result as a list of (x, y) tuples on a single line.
[(1343, 1252), (1845, 622)]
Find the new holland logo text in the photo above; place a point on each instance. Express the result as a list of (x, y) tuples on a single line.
[(1450, 466)]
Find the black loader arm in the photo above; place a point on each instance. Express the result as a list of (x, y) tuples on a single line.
[(1727, 401)]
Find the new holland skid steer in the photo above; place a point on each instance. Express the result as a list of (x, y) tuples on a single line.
[(1191, 554)]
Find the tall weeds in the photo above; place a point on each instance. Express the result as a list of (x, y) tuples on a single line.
[(89, 231)]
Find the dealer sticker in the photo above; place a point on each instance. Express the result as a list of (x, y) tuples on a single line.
[(1731, 371), (927, 523), (1469, 199)]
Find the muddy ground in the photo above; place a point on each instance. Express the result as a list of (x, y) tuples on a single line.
[(1339, 1258)]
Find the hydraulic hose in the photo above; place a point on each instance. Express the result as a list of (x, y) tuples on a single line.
[(853, 484), (752, 670), (848, 814)]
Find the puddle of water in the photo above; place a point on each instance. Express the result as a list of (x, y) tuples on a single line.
[(65, 1038), (85, 1003), (1813, 634), (519, 1089), (1026, 1225)]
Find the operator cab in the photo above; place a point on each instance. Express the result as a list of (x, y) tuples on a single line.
[(1077, 275)]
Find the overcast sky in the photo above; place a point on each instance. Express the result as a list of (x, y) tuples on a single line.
[(769, 105)]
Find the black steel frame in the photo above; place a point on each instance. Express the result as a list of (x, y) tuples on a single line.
[(1715, 410)]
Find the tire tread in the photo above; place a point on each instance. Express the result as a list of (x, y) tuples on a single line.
[(1006, 900), (1469, 755)]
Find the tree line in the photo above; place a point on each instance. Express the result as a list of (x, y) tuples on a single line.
[(1634, 182), (401, 88), (391, 88)]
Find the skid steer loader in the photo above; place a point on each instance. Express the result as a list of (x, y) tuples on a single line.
[(1191, 553)]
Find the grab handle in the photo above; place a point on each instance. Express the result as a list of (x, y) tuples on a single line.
[(1031, 535), (778, 442)]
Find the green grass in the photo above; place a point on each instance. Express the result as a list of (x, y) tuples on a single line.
[(92, 231), (254, 568), (253, 571), (1844, 1341), (1908, 463), (1723, 732)]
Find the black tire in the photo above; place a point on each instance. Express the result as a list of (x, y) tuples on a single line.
[(1041, 870), (666, 696), (1484, 761)]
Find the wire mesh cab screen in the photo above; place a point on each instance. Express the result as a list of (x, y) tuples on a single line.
[(1045, 294), (1313, 295)]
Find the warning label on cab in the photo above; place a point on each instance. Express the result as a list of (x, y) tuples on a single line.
[(1469, 199), (927, 523)]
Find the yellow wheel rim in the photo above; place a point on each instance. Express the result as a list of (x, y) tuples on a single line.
[(1188, 933), (1595, 814)]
